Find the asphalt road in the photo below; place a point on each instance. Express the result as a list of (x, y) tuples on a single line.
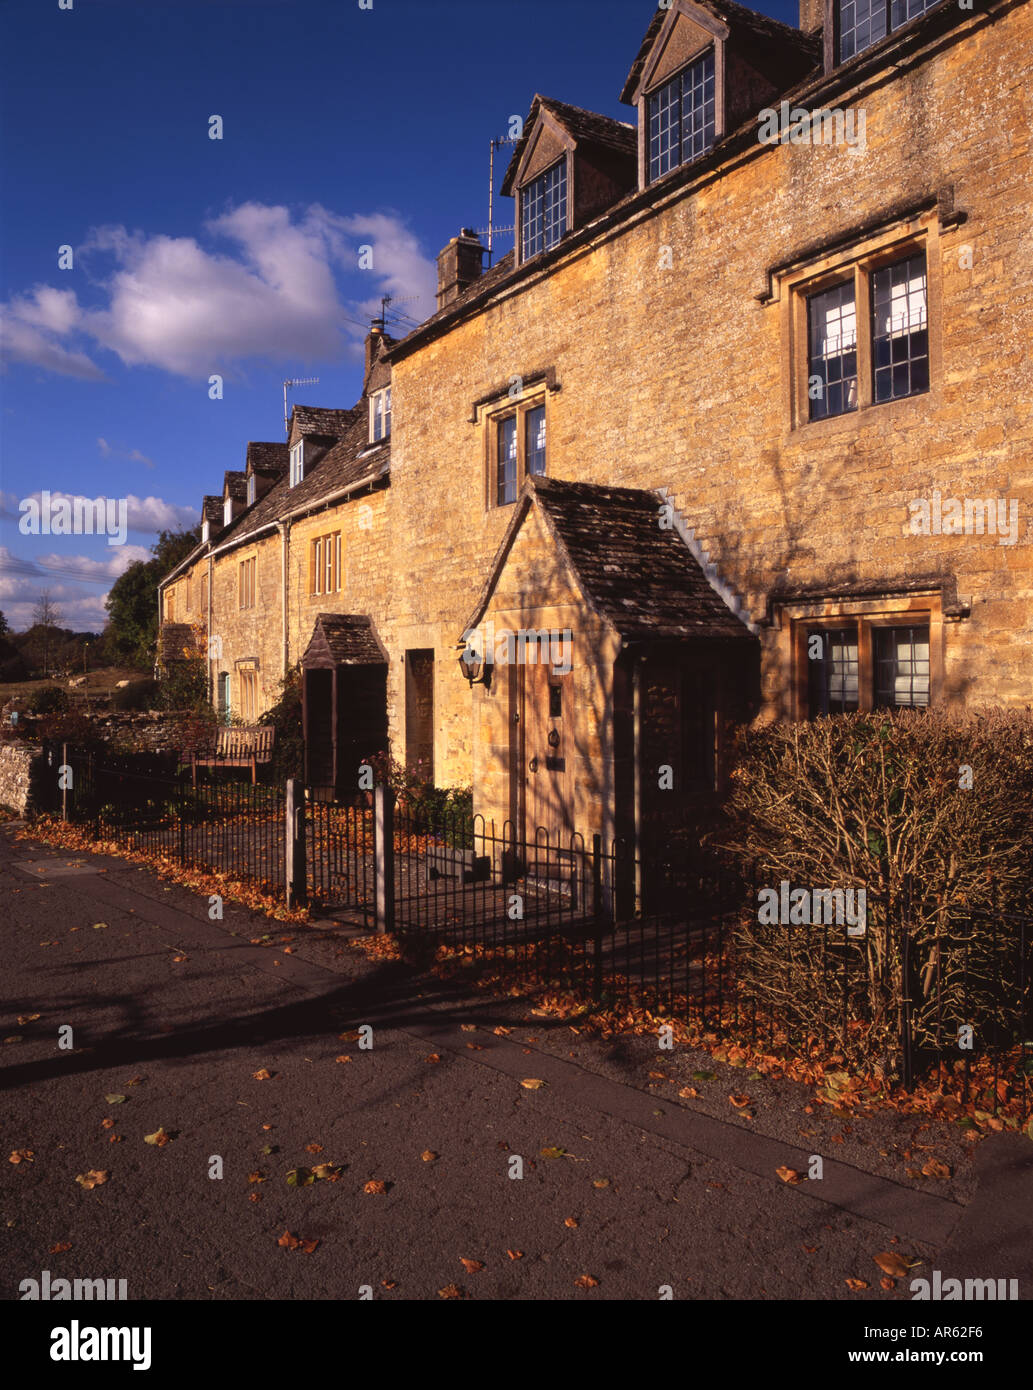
[(626, 1189)]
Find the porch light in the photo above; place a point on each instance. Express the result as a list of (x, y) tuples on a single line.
[(476, 671)]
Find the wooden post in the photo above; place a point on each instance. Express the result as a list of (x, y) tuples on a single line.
[(384, 856), (295, 868)]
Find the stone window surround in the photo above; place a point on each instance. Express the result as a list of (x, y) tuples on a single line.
[(791, 288), (649, 84), (509, 406), (247, 583), (318, 562), (796, 619)]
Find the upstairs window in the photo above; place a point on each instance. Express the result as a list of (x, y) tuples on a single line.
[(900, 330), (251, 490), (324, 564), (227, 511), (517, 449), (380, 415), (832, 360), (297, 463), (867, 335), (543, 211), (681, 117), (246, 581), (861, 23)]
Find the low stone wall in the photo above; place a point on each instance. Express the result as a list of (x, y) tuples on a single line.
[(21, 768)]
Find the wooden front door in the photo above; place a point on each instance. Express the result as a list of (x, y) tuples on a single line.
[(548, 755)]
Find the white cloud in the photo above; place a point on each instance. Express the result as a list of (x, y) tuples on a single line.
[(23, 580), (132, 455), (145, 514), (277, 294)]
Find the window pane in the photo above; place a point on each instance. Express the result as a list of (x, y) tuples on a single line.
[(544, 210), (860, 24), (681, 117), (832, 358), (507, 481), (832, 675), (902, 667), (698, 108), (900, 330), (387, 412), (535, 425), (903, 10)]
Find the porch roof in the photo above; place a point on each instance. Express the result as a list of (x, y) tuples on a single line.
[(642, 579), (343, 639)]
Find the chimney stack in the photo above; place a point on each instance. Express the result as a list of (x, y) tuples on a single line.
[(812, 15), (459, 265), (374, 338)]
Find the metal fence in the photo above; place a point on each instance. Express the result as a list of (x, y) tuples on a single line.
[(682, 938), (147, 803)]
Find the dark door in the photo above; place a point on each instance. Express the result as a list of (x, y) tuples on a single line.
[(548, 755), (419, 714), (318, 717)]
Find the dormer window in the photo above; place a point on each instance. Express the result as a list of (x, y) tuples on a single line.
[(251, 490), (297, 463), (681, 116), (205, 531), (380, 415), (543, 211), (862, 23), (227, 511)]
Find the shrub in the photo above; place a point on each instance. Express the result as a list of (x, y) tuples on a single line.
[(878, 801), (285, 717), (49, 699), (184, 685)]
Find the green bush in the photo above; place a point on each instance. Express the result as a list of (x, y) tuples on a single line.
[(137, 695), (285, 718)]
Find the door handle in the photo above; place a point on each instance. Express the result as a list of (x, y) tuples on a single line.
[(532, 766)]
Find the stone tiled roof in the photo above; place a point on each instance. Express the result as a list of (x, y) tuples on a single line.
[(587, 126), (347, 639), (641, 578), (235, 484), (349, 460), (749, 31), (211, 510), (268, 458), (314, 419)]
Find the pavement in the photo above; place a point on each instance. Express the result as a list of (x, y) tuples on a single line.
[(240, 1040)]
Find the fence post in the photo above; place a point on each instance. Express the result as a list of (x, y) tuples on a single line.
[(64, 781), (597, 918), (296, 866), (384, 856)]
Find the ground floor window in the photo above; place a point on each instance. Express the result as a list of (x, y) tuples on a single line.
[(865, 665), (248, 695)]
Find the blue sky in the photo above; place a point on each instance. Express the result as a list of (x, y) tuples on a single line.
[(342, 127)]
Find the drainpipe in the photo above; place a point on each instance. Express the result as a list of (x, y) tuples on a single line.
[(211, 584), (636, 686), (284, 527)]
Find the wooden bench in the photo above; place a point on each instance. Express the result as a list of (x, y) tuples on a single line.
[(238, 747)]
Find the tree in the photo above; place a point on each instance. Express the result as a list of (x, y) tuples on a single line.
[(5, 626), (46, 615), (132, 603)]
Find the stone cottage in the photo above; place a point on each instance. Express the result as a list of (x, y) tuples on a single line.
[(741, 426)]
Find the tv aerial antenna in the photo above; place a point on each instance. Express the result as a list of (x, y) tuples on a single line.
[(491, 229), (296, 381), (393, 299)]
